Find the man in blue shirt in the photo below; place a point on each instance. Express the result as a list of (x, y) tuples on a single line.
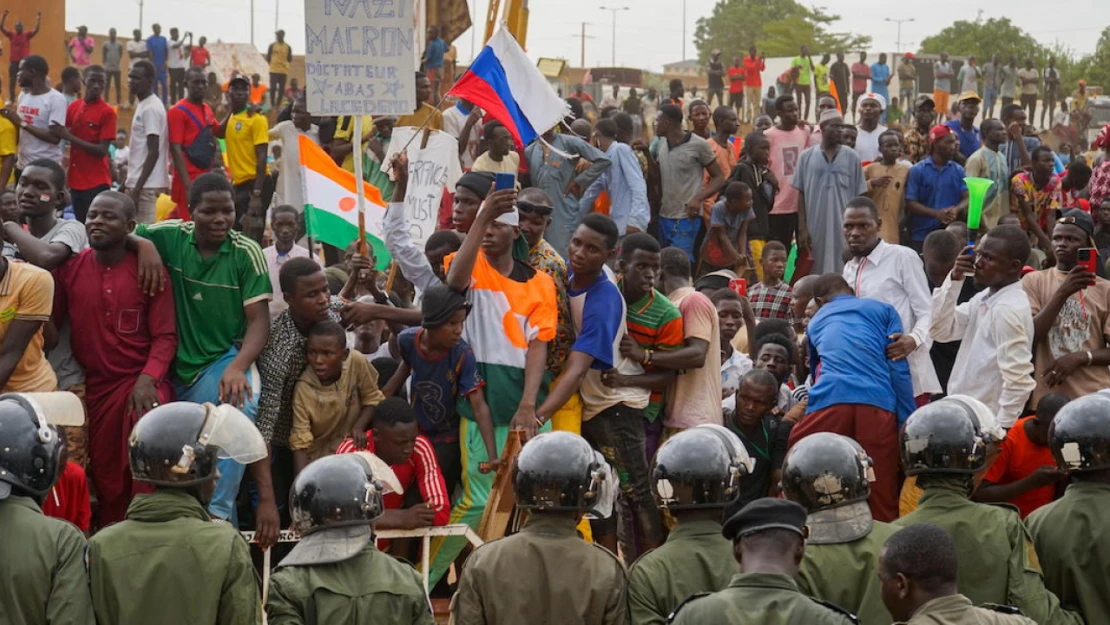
[(936, 193), (858, 390), (433, 60), (623, 181), (965, 129), (158, 49)]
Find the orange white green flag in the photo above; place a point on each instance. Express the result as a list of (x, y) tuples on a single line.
[(331, 203)]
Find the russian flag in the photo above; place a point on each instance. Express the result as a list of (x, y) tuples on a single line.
[(505, 84)]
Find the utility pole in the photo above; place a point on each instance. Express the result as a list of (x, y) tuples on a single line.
[(140, 15), (614, 11), (583, 37), (898, 43), (277, 15), (252, 22), (683, 30)]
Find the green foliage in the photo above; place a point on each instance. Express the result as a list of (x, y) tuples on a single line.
[(776, 27)]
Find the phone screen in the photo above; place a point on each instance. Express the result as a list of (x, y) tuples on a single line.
[(503, 181)]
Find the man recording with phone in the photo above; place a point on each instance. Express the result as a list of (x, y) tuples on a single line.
[(1071, 313)]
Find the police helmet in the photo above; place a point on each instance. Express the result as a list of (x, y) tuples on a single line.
[(944, 437), (1080, 434), (30, 447), (336, 491), (826, 470), (699, 468), (177, 444), (558, 471)]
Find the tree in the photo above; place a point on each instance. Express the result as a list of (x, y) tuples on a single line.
[(983, 39), (776, 27)]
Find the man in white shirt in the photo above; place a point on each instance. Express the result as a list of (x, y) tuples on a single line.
[(995, 361), (39, 108), (136, 49), (895, 275), (148, 172), (177, 61), (870, 108), (463, 122)]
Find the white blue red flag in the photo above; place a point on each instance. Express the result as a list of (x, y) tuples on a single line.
[(509, 87)]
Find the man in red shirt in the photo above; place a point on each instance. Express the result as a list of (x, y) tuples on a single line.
[(192, 123), (753, 83), (198, 55), (20, 48), (396, 440), (1025, 473), (69, 498), (736, 76), (90, 128), (128, 342)]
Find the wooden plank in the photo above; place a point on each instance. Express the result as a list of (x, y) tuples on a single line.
[(499, 506)]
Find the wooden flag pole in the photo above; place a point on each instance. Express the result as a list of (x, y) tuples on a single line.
[(356, 144)]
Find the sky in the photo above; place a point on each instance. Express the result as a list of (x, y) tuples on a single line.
[(648, 35)]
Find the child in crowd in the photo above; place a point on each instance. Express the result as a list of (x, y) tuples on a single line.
[(69, 499), (771, 297), (769, 104), (848, 139), (733, 313), (1025, 474), (886, 185), (9, 211), (334, 396), (285, 224), (726, 246), (444, 371)]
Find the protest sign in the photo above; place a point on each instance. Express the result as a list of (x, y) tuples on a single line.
[(360, 57), (433, 166)]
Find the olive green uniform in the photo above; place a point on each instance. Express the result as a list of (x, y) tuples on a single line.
[(759, 599), (543, 574), (958, 610), (170, 563), (42, 568), (1073, 542), (696, 558), (998, 563), (845, 573), (370, 588)]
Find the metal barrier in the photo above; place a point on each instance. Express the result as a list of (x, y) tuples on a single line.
[(425, 534)]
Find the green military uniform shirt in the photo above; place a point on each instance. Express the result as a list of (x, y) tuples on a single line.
[(1073, 542), (998, 563), (42, 568), (958, 610), (846, 574), (759, 599), (543, 574), (696, 558), (371, 588), (170, 563)]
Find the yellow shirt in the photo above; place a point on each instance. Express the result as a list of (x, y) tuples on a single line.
[(424, 112), (345, 130), (510, 164), (9, 139), (27, 294), (323, 414), (244, 132), (279, 58)]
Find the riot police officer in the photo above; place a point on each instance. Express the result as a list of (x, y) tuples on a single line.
[(1070, 534), (335, 573), (41, 559), (696, 473), (945, 445), (168, 557), (546, 573), (830, 475), (917, 569), (768, 538)]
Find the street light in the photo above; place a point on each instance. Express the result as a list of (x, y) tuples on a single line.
[(614, 11), (898, 43)]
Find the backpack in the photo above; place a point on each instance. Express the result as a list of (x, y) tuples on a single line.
[(202, 151)]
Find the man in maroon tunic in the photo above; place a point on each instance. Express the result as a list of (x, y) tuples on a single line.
[(124, 338)]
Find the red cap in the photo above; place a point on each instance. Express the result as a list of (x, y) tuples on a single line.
[(939, 131)]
